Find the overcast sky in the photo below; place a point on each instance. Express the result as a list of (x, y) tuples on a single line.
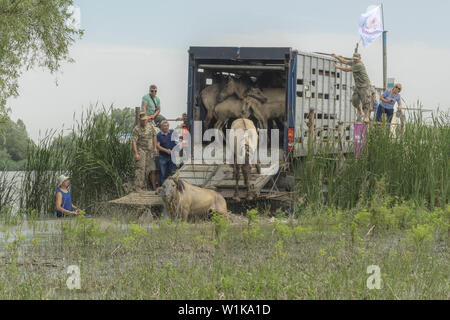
[(129, 45)]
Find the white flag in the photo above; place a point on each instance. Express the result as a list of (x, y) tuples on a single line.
[(370, 25)]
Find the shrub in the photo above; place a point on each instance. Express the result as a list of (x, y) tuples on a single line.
[(420, 235), (220, 223)]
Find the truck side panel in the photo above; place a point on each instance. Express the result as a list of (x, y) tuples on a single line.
[(326, 90)]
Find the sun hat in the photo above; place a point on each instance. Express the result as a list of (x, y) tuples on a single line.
[(61, 179)]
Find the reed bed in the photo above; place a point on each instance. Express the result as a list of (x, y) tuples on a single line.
[(413, 165), (96, 160), (8, 191)]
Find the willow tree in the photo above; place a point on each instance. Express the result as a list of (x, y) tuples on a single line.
[(33, 33)]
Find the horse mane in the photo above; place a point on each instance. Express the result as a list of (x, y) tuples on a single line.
[(179, 184)]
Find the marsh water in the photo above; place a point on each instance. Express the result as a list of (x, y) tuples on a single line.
[(15, 226)]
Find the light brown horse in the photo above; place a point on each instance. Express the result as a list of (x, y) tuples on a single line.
[(245, 142), (209, 99), (269, 103), (234, 107)]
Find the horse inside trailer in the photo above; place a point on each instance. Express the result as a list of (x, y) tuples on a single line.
[(217, 75)]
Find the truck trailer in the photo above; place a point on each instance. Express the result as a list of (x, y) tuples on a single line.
[(315, 91)]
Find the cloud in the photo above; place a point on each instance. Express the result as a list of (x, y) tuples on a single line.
[(120, 75), (105, 74), (422, 69)]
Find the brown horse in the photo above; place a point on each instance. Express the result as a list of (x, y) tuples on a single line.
[(234, 107), (209, 99)]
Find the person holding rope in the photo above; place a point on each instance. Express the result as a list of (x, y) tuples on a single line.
[(64, 205), (362, 94)]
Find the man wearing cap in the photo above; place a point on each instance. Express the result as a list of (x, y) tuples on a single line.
[(151, 105), (362, 92), (64, 205), (143, 141)]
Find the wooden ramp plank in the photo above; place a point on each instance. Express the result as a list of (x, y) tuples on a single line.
[(199, 168), (196, 182), (144, 198), (220, 176)]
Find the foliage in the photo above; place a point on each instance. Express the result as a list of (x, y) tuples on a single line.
[(252, 215), (253, 231), (283, 231), (415, 166), (8, 191), (96, 160), (32, 33), (101, 163), (84, 230), (14, 142), (136, 234), (124, 117), (220, 223), (420, 235)]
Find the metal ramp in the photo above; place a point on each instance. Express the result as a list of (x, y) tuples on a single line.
[(220, 178)]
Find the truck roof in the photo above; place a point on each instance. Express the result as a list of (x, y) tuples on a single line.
[(241, 53)]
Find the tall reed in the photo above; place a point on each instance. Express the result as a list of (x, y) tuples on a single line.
[(44, 163), (8, 190), (100, 163), (97, 162), (415, 166)]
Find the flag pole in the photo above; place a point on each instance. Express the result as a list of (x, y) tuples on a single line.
[(384, 51)]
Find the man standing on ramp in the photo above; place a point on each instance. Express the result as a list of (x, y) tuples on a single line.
[(143, 142), (362, 91)]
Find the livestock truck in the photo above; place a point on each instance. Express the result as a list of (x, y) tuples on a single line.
[(315, 92)]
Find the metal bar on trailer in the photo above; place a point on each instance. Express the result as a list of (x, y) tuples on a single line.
[(303, 129), (417, 109), (328, 93), (372, 122), (329, 54), (240, 67), (322, 102), (334, 93)]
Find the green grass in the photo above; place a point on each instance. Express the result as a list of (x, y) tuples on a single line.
[(388, 208), (313, 257)]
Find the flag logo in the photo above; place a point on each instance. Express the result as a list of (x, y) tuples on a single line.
[(370, 25)]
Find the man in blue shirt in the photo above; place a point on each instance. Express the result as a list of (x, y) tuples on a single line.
[(165, 146), (388, 100)]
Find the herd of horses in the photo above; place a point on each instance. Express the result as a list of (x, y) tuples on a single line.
[(240, 98)]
